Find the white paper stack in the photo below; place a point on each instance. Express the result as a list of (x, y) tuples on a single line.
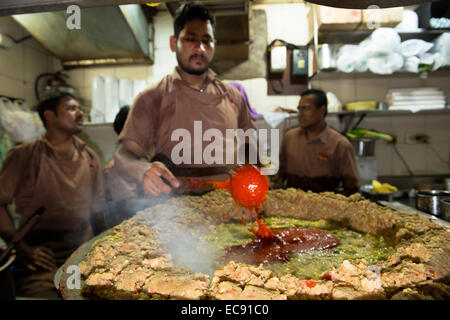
[(98, 100), (111, 98), (415, 99), (126, 94)]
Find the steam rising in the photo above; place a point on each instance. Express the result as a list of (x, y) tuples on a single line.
[(180, 230), (191, 252)]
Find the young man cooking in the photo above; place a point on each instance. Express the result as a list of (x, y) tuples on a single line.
[(58, 172), (191, 93), (313, 156)]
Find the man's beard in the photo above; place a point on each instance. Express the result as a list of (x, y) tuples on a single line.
[(186, 69)]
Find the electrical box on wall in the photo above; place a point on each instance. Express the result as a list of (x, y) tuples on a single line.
[(278, 56), (287, 67), (299, 66)]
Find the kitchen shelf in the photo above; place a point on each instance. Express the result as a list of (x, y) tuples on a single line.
[(381, 113), (331, 75), (353, 37)]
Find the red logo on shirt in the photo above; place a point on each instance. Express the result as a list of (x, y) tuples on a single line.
[(91, 166), (322, 156)]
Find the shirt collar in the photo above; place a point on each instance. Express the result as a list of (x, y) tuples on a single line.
[(79, 144), (210, 75), (324, 136)]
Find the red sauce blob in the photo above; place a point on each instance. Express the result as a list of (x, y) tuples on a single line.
[(249, 187), (283, 243), (263, 230)]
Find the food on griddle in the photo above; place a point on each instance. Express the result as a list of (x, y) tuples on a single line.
[(283, 243), (382, 254)]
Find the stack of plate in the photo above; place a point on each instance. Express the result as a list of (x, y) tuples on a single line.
[(415, 99)]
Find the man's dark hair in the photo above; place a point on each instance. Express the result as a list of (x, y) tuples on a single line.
[(321, 98), (52, 104), (120, 119), (191, 11)]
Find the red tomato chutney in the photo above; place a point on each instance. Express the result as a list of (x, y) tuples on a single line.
[(283, 243)]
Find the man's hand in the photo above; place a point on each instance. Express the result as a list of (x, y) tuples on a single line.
[(153, 182), (37, 257)]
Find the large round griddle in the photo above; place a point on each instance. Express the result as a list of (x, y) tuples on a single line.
[(75, 258)]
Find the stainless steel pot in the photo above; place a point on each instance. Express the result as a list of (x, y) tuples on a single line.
[(364, 147), (429, 201), (445, 209), (326, 59)]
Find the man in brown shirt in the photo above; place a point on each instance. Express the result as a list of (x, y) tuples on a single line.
[(315, 157), (191, 99), (58, 172)]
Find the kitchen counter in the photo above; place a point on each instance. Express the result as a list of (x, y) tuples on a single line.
[(405, 207)]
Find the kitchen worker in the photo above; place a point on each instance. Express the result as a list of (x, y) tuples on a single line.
[(315, 157), (192, 92), (58, 172)]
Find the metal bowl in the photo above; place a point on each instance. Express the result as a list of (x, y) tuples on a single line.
[(445, 209), (367, 191), (363, 147), (428, 201)]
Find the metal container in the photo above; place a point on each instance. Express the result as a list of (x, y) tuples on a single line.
[(445, 209), (447, 184), (428, 201), (326, 59), (364, 147)]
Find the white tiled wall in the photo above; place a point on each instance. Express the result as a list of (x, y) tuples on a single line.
[(22, 63), (296, 32), (163, 30), (259, 99), (421, 158)]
